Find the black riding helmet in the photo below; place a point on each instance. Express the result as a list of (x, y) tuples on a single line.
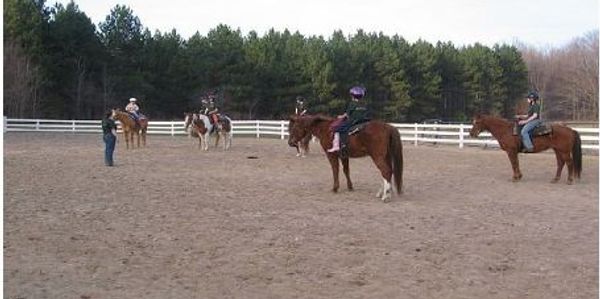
[(533, 95)]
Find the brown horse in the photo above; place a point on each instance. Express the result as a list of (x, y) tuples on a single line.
[(130, 127), (302, 148), (565, 142), (377, 139)]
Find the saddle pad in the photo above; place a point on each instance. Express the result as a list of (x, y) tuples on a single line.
[(542, 129)]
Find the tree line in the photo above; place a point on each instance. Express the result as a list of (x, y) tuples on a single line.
[(58, 64)]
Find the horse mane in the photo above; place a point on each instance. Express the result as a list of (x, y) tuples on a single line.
[(495, 119)]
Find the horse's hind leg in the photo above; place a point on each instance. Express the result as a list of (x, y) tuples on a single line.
[(560, 163), (386, 172), (346, 166), (566, 157)]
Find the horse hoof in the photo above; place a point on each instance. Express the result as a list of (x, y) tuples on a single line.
[(554, 180), (569, 182)]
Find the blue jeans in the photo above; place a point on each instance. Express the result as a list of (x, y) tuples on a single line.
[(525, 133), (109, 140)]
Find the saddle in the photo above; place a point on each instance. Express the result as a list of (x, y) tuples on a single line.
[(357, 128), (354, 129), (540, 130)]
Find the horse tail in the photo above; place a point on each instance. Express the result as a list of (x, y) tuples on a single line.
[(577, 154), (395, 153)]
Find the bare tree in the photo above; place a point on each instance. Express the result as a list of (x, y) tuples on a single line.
[(21, 82), (567, 78)]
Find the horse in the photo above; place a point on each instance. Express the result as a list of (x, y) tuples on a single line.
[(565, 142), (201, 127), (302, 147), (187, 121), (223, 130), (377, 139), (130, 127)]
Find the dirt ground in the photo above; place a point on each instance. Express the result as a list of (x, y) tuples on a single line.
[(170, 221)]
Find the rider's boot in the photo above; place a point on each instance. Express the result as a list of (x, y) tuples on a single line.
[(336, 143)]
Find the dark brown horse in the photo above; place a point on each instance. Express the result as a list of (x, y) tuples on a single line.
[(377, 139), (565, 142), (130, 127)]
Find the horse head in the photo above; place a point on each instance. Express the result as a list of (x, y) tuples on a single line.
[(301, 126), (478, 125), (187, 120)]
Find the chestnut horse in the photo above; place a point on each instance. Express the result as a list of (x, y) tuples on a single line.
[(302, 148), (565, 142), (201, 127), (377, 139), (130, 127)]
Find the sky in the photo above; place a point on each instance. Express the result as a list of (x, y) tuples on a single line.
[(539, 23)]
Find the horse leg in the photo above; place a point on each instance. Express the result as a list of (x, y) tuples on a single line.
[(566, 157), (206, 140), (335, 168), (560, 163), (346, 166), (386, 172), (514, 162)]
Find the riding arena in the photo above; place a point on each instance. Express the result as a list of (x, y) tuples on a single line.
[(171, 220)]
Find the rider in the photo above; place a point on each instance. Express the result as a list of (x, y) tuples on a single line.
[(212, 110), (133, 109), (530, 120), (356, 112), (301, 107)]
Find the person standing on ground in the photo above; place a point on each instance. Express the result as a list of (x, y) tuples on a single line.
[(109, 135)]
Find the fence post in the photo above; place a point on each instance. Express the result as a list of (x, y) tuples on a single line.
[(282, 130), (461, 138), (257, 128), (37, 124), (5, 124), (73, 126), (172, 129), (416, 134)]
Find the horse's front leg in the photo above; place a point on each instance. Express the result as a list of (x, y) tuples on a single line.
[(217, 139), (335, 168), (346, 166), (514, 162)]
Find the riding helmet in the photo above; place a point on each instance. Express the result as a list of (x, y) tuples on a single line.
[(533, 95), (358, 92), (132, 100)]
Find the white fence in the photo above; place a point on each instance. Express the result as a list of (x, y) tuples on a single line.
[(414, 133)]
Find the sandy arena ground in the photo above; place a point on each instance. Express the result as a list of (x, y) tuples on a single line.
[(170, 221)]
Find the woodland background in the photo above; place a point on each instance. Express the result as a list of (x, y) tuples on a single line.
[(58, 64)]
